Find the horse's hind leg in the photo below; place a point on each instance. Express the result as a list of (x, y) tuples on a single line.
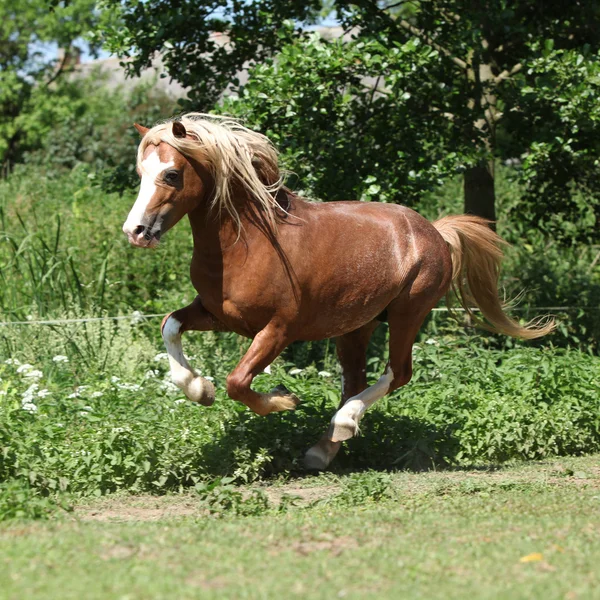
[(404, 326), (192, 317), (352, 354)]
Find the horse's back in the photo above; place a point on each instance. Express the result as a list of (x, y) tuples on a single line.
[(353, 259)]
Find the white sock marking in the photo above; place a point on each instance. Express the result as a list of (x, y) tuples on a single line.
[(182, 373), (356, 406)]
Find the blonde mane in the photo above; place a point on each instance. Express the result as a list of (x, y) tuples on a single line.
[(233, 154)]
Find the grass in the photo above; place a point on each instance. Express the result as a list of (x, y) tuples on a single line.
[(525, 531)]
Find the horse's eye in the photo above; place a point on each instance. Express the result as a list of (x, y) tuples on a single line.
[(171, 176)]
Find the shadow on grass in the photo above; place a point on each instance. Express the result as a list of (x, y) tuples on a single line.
[(387, 442)]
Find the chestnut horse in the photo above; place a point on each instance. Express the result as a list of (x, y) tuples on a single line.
[(276, 268)]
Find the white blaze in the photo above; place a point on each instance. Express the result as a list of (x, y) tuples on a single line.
[(152, 167)]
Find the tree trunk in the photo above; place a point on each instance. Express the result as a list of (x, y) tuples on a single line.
[(480, 196)]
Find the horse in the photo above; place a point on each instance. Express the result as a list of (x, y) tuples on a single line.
[(277, 268)]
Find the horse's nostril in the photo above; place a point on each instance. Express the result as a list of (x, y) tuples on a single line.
[(139, 229)]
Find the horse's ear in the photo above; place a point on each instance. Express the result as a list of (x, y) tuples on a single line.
[(141, 129), (179, 129)]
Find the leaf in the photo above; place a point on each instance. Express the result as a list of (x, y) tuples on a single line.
[(533, 557)]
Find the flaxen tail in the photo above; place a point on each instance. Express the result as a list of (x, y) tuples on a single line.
[(476, 255)]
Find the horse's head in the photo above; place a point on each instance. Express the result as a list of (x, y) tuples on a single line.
[(171, 187)]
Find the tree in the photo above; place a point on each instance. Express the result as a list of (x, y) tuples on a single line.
[(420, 91), (28, 76)]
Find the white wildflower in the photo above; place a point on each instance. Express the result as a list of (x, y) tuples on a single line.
[(3, 392), (134, 387), (74, 395), (24, 368), (29, 406), (60, 358), (296, 371), (87, 408), (151, 374), (180, 401), (431, 341), (36, 374), (28, 394), (169, 386), (115, 379), (12, 361), (161, 356), (324, 374), (43, 393), (136, 317), (97, 394)]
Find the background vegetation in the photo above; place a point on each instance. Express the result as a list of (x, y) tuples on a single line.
[(86, 408)]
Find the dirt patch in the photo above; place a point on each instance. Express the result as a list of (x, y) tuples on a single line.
[(138, 508), (303, 496)]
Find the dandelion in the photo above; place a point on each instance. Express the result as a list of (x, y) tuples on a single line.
[(24, 368), (60, 358), (36, 374), (324, 374), (296, 371)]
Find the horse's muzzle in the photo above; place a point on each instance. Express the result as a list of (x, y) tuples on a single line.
[(142, 236)]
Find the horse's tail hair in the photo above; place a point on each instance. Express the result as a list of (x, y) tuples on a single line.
[(476, 253)]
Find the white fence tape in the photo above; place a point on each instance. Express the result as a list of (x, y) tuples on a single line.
[(138, 317)]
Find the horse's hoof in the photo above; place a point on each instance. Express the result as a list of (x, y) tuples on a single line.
[(278, 401), (319, 457), (342, 428), (201, 391)]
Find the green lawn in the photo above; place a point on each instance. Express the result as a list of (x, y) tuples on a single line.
[(525, 531)]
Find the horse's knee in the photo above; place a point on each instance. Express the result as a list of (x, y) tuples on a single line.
[(237, 384)]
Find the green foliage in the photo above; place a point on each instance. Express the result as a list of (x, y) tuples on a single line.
[(19, 501), (28, 99), (221, 498), (415, 92), (363, 488), (329, 111)]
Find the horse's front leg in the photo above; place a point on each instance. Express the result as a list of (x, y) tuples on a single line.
[(265, 348), (192, 317)]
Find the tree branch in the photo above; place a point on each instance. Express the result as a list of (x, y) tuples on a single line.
[(508, 73), (459, 62), (61, 66)]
